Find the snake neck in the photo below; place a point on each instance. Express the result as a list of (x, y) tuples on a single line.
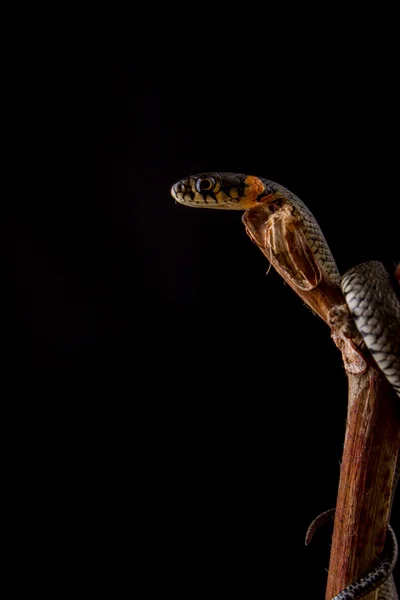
[(276, 199)]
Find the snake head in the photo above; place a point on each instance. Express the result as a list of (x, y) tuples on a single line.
[(226, 191)]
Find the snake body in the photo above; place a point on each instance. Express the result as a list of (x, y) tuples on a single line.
[(376, 312), (370, 299)]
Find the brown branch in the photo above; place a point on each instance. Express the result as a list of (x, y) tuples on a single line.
[(373, 425), (368, 463)]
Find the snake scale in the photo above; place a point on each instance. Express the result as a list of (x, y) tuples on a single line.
[(370, 298)]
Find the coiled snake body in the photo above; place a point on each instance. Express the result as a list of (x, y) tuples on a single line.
[(369, 295)]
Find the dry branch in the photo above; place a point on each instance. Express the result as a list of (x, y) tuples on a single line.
[(373, 425)]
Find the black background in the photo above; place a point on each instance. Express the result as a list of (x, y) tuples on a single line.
[(191, 409)]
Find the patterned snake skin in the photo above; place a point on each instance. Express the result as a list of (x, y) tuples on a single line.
[(369, 296), (376, 311)]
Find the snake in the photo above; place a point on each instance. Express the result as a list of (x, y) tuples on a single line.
[(371, 302)]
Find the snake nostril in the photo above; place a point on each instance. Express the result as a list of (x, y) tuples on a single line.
[(180, 187)]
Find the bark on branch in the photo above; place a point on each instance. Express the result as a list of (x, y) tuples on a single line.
[(372, 435)]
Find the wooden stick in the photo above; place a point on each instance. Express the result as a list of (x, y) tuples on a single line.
[(366, 478), (372, 432)]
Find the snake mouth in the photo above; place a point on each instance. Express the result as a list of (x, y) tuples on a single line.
[(224, 191)]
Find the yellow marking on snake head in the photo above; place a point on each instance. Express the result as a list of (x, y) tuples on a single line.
[(253, 188)]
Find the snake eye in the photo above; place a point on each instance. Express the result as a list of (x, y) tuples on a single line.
[(205, 184)]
